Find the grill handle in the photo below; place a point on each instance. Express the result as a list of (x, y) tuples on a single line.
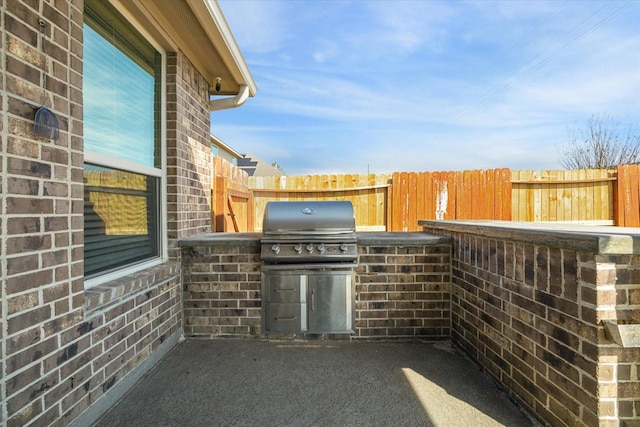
[(281, 233), (286, 318)]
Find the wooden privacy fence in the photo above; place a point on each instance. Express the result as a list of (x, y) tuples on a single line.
[(368, 193), (591, 196), (396, 202), (575, 196), (477, 194)]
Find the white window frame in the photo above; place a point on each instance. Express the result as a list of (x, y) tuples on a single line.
[(117, 163)]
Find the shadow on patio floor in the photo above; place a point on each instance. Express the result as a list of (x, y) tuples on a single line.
[(320, 383)]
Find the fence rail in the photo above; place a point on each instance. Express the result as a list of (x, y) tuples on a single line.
[(396, 202)]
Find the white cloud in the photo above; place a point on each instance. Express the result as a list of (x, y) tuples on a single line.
[(409, 26)]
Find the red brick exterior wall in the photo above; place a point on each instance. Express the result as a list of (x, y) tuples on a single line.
[(530, 313), (400, 291), (65, 348)]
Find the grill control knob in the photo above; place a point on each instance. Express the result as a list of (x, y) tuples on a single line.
[(321, 248), (343, 247), (275, 248), (309, 248), (297, 249)]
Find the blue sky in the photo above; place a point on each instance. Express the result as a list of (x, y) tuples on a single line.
[(382, 86)]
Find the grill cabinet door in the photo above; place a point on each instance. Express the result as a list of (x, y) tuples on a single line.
[(330, 302)]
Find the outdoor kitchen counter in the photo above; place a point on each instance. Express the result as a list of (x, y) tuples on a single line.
[(364, 238), (401, 282), (578, 237)]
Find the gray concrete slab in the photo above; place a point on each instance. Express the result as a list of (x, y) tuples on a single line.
[(232, 382)]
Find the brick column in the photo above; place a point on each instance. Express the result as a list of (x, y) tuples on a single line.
[(188, 152)]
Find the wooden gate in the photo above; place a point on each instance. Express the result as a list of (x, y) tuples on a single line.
[(232, 207)]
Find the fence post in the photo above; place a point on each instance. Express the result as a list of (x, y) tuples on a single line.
[(394, 200), (506, 189), (618, 200), (250, 212), (627, 196), (220, 209)]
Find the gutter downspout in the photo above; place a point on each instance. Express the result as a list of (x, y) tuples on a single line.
[(231, 102)]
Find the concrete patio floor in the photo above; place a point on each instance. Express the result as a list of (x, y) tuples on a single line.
[(232, 382)]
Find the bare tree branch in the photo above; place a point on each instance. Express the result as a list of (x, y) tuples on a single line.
[(602, 145)]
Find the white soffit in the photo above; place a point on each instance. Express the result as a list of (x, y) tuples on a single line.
[(199, 30)]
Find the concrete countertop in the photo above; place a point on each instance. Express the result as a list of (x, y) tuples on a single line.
[(598, 239), (399, 238), (221, 239), (364, 237)]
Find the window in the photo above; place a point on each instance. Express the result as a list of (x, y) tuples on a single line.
[(123, 163)]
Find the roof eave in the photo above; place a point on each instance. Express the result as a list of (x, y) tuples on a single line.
[(220, 34), (198, 29)]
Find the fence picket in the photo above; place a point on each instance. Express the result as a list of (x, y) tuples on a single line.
[(505, 188)]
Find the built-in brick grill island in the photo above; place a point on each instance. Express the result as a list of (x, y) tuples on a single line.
[(309, 254)]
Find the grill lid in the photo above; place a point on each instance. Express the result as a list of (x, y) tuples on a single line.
[(311, 218), (317, 231), (309, 232)]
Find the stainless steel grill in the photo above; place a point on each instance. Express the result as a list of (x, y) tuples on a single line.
[(309, 252), (299, 232)]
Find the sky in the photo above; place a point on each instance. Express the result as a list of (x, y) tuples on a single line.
[(423, 85)]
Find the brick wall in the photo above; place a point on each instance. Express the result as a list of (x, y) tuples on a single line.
[(189, 166), (401, 291), (66, 350), (222, 290), (125, 321), (41, 206), (527, 306)]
